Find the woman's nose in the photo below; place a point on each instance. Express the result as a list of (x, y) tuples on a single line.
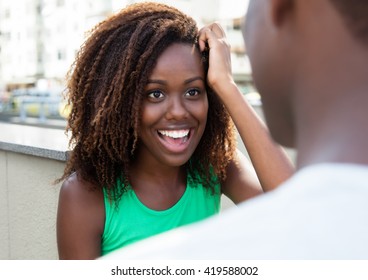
[(176, 109)]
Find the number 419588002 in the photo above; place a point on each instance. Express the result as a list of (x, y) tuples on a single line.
[(228, 270)]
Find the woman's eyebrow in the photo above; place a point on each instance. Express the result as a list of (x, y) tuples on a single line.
[(188, 81), (161, 82)]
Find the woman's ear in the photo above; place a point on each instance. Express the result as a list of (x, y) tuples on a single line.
[(279, 10)]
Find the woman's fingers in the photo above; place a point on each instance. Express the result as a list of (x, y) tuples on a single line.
[(209, 34), (218, 30), (203, 38)]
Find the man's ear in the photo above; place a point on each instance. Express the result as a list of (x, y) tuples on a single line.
[(280, 10)]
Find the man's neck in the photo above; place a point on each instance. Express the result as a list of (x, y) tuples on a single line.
[(336, 131)]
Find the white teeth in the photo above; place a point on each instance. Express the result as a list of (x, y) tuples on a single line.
[(175, 133)]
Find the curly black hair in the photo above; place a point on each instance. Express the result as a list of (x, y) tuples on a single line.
[(106, 88)]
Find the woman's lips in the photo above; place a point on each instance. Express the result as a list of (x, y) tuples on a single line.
[(175, 141)]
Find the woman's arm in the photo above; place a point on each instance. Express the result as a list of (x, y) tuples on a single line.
[(80, 220), (241, 181), (269, 160)]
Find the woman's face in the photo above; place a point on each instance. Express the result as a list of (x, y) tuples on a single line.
[(175, 106)]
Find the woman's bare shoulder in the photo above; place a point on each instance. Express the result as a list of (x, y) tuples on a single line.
[(80, 219), (76, 188), (82, 198)]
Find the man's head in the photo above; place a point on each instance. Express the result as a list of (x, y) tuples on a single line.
[(283, 38)]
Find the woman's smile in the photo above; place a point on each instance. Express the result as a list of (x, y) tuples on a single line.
[(175, 141)]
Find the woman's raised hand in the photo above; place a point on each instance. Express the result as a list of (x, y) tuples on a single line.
[(219, 75)]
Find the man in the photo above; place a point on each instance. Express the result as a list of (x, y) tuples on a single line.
[(310, 64)]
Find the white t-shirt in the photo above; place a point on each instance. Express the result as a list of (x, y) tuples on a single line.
[(320, 213)]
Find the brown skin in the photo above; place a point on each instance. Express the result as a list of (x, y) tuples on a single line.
[(80, 220), (158, 177), (324, 107)]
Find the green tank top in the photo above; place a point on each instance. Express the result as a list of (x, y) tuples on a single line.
[(132, 221)]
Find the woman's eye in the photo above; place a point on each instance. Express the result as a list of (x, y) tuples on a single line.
[(192, 92), (155, 94)]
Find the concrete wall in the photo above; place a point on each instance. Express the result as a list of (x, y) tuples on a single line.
[(28, 204), (4, 211)]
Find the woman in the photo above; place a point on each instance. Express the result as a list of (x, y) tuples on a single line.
[(153, 146)]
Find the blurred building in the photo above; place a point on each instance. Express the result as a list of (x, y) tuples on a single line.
[(39, 38)]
